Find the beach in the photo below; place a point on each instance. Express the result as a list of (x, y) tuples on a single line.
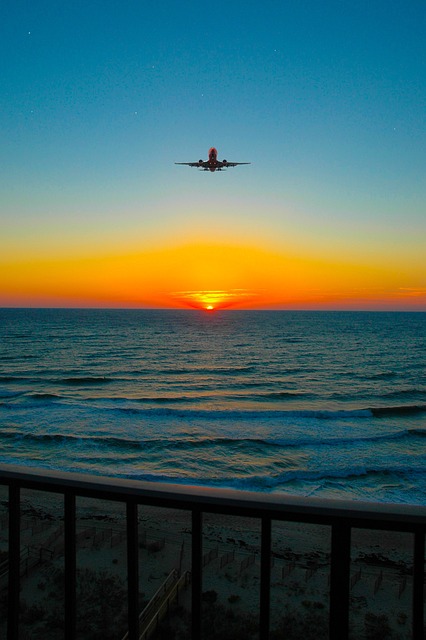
[(380, 570)]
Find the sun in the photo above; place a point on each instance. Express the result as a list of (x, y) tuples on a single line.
[(213, 299)]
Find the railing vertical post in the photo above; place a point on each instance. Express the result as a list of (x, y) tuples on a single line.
[(132, 570), (265, 578), (70, 566), (196, 573), (339, 581), (14, 562), (418, 584)]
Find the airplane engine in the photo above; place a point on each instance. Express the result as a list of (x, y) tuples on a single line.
[(200, 161), (225, 161)]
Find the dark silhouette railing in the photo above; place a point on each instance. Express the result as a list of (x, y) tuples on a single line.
[(341, 516)]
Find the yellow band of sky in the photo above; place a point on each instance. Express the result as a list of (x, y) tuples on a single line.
[(205, 275)]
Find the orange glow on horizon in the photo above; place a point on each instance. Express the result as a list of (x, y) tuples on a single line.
[(210, 277)]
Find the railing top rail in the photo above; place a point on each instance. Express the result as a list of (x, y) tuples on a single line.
[(226, 501)]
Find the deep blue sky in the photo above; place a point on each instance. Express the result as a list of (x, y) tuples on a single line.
[(326, 99)]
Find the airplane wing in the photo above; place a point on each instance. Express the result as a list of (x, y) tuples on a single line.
[(194, 164), (233, 164)]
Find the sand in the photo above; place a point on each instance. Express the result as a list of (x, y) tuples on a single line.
[(380, 570)]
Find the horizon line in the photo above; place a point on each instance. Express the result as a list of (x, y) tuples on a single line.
[(209, 312)]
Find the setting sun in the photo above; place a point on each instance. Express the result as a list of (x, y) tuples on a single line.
[(210, 300)]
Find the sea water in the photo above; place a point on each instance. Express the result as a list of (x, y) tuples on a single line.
[(329, 404)]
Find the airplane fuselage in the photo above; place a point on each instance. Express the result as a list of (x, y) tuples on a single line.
[(212, 159)]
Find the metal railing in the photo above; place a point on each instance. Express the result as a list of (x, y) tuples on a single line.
[(341, 516)]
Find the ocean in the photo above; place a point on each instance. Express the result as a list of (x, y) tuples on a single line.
[(327, 404)]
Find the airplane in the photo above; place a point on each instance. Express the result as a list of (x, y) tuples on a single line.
[(212, 164)]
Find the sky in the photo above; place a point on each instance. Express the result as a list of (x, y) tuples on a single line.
[(326, 100)]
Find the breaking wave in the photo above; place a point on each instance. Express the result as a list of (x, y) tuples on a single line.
[(194, 443)]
